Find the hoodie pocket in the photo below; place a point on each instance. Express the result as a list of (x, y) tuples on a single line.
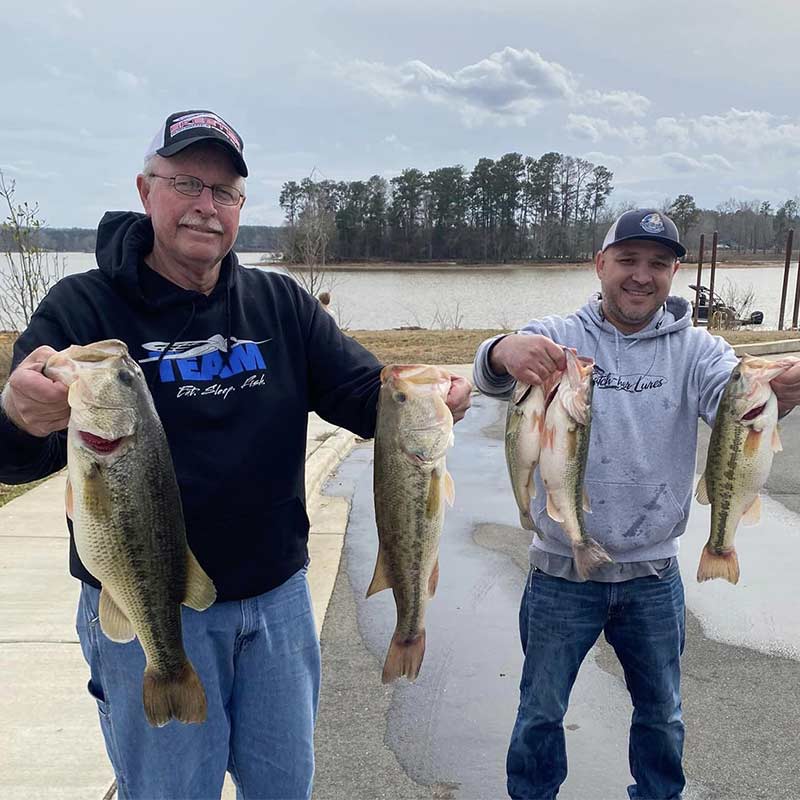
[(624, 516), (627, 516)]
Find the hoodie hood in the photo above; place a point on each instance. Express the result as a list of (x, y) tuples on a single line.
[(124, 239), (674, 315)]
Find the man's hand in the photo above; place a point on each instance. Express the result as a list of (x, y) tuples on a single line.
[(530, 359), (459, 396), (787, 389), (36, 404)]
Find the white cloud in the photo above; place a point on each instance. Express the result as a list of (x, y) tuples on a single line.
[(127, 80), (506, 88), (671, 131), (736, 130), (595, 128), (678, 162), (621, 101), (24, 169), (73, 11), (718, 162), (606, 159)]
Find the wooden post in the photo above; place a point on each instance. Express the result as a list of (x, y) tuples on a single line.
[(787, 266), (696, 315), (711, 281)]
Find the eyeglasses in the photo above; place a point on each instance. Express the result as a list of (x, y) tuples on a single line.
[(193, 187)]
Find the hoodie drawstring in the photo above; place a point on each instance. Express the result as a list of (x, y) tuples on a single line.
[(228, 338), (173, 340)]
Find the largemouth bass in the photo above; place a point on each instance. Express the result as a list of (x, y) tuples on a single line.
[(411, 483), (562, 460), (524, 427), (743, 442), (128, 523)]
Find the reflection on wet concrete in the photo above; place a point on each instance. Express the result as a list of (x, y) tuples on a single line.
[(446, 735)]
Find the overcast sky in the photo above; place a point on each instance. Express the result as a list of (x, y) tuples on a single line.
[(684, 97)]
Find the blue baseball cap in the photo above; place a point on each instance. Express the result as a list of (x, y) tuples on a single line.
[(645, 223)]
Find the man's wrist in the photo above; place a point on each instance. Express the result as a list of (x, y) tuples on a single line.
[(496, 365), (9, 410)]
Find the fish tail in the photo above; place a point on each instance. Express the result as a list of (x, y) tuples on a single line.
[(589, 555), (404, 657), (715, 564), (178, 696)]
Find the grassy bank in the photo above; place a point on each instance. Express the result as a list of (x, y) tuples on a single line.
[(401, 347)]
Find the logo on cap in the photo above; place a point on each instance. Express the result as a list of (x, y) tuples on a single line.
[(205, 120), (652, 223)]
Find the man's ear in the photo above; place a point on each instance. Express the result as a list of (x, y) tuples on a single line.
[(598, 263), (143, 187)]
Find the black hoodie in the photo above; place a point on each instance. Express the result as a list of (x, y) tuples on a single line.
[(233, 376)]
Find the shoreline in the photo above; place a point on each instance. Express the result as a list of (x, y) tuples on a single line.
[(453, 267)]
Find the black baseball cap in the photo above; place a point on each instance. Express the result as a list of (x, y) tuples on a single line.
[(645, 223), (185, 128)]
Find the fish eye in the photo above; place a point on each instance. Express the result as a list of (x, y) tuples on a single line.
[(125, 376), (400, 397)]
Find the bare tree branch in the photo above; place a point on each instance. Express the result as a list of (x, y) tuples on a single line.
[(26, 272)]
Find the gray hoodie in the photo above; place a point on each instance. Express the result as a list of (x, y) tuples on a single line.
[(649, 389)]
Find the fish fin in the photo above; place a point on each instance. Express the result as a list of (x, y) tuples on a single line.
[(113, 621), (69, 502), (404, 658), (434, 495), (381, 579), (752, 516), (531, 485), (520, 392), (200, 589), (526, 521), (718, 565), (178, 697), (701, 493), (589, 555), (587, 506), (449, 489), (552, 511), (433, 581), (776, 441), (752, 442)]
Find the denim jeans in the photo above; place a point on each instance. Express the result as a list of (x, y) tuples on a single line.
[(644, 621), (259, 661)]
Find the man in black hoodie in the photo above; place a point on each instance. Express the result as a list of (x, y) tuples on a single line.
[(235, 359)]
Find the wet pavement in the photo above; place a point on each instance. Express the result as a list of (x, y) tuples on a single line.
[(445, 736)]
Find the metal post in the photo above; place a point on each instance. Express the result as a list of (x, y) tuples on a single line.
[(699, 280), (711, 281), (787, 266), (796, 294)]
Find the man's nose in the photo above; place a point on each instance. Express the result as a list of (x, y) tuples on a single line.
[(204, 202), (641, 274)]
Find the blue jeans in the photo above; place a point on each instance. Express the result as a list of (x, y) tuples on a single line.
[(259, 661), (644, 621)]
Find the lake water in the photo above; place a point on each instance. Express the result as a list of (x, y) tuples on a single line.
[(497, 297)]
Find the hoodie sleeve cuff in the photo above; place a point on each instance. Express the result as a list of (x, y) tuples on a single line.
[(485, 378)]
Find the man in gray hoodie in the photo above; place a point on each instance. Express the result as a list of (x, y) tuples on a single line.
[(654, 375)]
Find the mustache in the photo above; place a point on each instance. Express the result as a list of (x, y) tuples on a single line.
[(211, 225)]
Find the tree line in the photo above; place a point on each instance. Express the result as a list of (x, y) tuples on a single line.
[(251, 239), (514, 207), (745, 227)]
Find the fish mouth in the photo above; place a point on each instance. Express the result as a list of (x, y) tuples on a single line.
[(753, 413), (98, 444)]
